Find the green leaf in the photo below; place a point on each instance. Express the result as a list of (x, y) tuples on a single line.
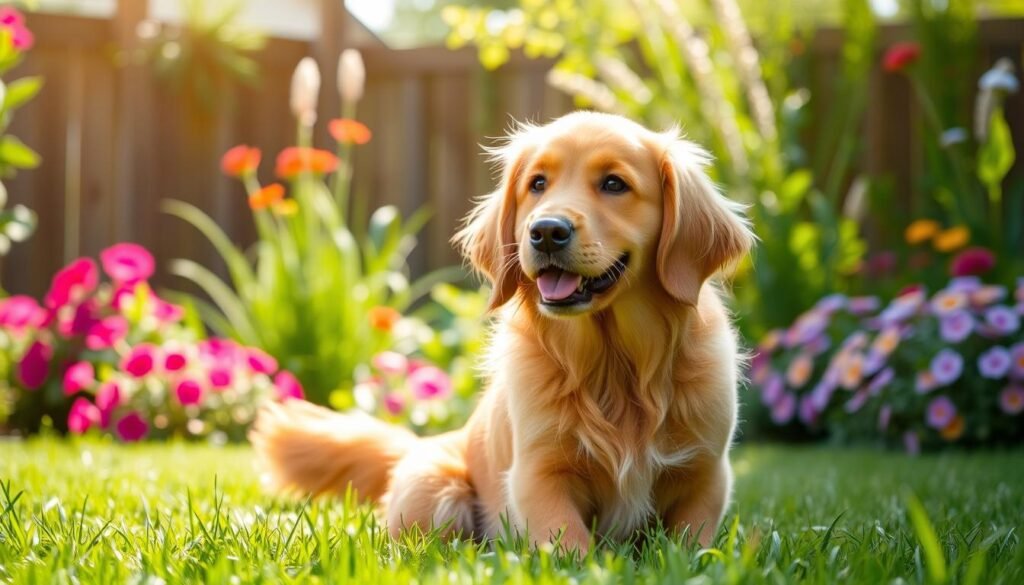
[(19, 92), (14, 152), (930, 546), (996, 155)]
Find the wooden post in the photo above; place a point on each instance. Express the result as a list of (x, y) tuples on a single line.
[(327, 50), (130, 119)]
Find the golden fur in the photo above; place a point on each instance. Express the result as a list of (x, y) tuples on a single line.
[(613, 414)]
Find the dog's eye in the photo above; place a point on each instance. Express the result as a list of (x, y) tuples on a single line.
[(614, 184), (538, 184)]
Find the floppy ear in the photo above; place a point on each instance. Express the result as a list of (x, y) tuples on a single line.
[(702, 232), (487, 238)]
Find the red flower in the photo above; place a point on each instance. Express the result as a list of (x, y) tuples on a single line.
[(241, 161), (295, 160), (348, 131), (34, 367), (972, 262), (266, 197), (72, 283), (127, 263), (132, 427), (900, 56)]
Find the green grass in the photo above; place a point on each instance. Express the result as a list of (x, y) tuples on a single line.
[(97, 513)]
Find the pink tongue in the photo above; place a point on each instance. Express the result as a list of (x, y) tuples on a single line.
[(556, 285)]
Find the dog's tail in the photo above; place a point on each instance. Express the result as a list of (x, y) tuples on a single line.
[(314, 450)]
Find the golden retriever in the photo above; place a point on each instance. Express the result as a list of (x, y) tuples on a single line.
[(612, 370)]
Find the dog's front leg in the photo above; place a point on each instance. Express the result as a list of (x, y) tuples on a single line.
[(541, 505)]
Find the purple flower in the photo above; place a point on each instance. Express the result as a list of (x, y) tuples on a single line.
[(873, 362), (34, 367), (902, 307), (127, 263), (831, 303), (772, 390), (806, 411), (884, 416), (956, 326), (947, 301), (807, 327), (946, 367), (83, 416), (784, 409), (861, 306), (132, 427), (818, 345), (1017, 361), (965, 284), (987, 295), (857, 402), (1003, 320), (80, 376), (430, 383), (883, 379), (823, 390), (941, 411), (1011, 400), (912, 443), (994, 363)]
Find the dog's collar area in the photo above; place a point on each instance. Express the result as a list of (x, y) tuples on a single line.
[(552, 281)]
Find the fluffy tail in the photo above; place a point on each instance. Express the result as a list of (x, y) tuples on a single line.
[(313, 450)]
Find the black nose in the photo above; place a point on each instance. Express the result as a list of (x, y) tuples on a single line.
[(550, 234)]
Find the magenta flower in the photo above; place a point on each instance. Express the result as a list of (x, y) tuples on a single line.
[(1011, 400), (72, 283), (912, 443), (260, 361), (189, 392), (391, 362), (861, 306), (884, 417), (106, 332), (784, 409), (221, 351), (941, 411), (108, 397), (221, 378), (174, 360), (956, 326), (167, 312), (994, 363), (946, 366), (132, 427), (1003, 320), (288, 386), (20, 313), (83, 416), (972, 262), (80, 376), (430, 383), (141, 360), (34, 367), (394, 403), (12, 20), (772, 390), (127, 263), (879, 382)]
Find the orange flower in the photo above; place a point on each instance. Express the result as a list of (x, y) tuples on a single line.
[(267, 196), (952, 239), (799, 371), (296, 160), (852, 371), (240, 161), (887, 341), (953, 430), (383, 318), (348, 131), (921, 230)]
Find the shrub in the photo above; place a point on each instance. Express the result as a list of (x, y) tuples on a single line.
[(115, 357)]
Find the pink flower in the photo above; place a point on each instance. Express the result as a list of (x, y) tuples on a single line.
[(288, 386), (221, 378), (391, 363), (948, 301), (106, 332), (108, 397), (20, 313), (80, 376), (83, 416), (72, 323), (972, 262), (884, 416), (34, 367), (72, 283), (772, 390), (784, 409), (260, 361), (174, 360), (141, 360), (430, 383), (956, 326), (220, 351), (394, 403), (132, 427), (987, 295), (900, 56), (863, 305), (189, 392), (994, 363), (9, 16), (127, 263), (167, 312), (946, 367), (941, 411), (1011, 400), (21, 37)]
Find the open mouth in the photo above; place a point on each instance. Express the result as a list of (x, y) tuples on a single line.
[(561, 288)]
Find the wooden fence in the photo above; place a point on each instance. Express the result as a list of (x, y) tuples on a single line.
[(116, 142)]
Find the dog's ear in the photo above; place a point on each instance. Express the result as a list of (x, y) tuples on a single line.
[(487, 238), (702, 231)]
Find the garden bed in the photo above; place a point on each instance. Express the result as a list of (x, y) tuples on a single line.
[(96, 512)]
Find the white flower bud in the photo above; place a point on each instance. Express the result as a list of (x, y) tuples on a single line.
[(351, 76), (305, 91)]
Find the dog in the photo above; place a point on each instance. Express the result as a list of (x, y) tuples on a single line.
[(612, 368)]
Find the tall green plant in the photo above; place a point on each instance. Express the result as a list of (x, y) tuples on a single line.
[(666, 61), (307, 296)]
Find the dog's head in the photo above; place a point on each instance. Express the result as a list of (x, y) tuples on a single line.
[(592, 206)]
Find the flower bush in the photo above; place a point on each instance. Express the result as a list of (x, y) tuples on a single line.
[(116, 358), (921, 370)]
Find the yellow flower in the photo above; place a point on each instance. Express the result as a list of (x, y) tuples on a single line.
[(953, 430), (952, 239), (286, 207), (921, 230)]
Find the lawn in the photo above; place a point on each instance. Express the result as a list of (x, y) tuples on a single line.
[(94, 512)]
